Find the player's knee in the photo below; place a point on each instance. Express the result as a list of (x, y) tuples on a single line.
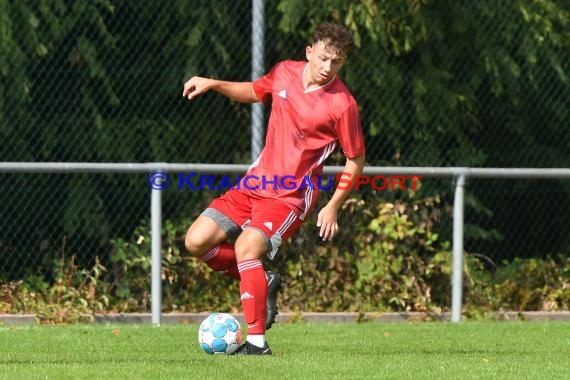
[(250, 245), (194, 244)]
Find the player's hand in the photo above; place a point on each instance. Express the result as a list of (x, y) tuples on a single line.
[(195, 86), (327, 222)]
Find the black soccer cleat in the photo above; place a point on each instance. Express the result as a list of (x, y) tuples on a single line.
[(251, 349), (273, 286)]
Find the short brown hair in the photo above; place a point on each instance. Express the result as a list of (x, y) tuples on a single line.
[(334, 35)]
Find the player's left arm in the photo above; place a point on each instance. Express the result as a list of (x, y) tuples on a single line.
[(327, 217)]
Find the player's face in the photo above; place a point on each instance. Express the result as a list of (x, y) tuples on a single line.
[(324, 63)]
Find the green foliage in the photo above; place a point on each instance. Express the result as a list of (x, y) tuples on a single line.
[(403, 262), (522, 284), (442, 64), (72, 296), (460, 83), (440, 83), (188, 285), (390, 259)]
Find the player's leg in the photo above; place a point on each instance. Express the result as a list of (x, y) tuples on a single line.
[(250, 246), (271, 222), (289, 224), (203, 235), (206, 240), (223, 219), (207, 236)]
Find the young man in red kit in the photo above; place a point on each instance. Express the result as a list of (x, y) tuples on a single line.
[(312, 111)]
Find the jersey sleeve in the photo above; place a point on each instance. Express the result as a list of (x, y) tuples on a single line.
[(263, 87), (349, 132)]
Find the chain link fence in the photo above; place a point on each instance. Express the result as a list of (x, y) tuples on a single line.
[(439, 84)]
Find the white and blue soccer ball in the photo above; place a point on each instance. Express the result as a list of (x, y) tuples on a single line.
[(220, 333)]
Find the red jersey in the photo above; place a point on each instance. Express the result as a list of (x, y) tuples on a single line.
[(304, 128)]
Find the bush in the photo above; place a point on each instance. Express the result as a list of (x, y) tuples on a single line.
[(71, 296), (519, 285), (391, 260), (387, 257)]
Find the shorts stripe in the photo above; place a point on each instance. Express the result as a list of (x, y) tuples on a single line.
[(308, 199), (287, 223)]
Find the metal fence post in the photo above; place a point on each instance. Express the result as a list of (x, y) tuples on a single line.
[(457, 276), (156, 253), (257, 55)]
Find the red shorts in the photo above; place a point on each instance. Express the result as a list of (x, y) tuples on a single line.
[(276, 219)]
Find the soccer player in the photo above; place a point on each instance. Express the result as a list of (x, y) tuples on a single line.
[(312, 111)]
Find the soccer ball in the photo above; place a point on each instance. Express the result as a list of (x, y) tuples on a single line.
[(220, 333)]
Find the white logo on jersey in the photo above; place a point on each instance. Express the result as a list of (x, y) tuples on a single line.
[(283, 94), (246, 296), (269, 225)]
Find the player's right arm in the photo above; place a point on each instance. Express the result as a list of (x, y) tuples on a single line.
[(238, 91)]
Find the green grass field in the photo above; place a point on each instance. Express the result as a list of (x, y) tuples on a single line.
[(469, 350)]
